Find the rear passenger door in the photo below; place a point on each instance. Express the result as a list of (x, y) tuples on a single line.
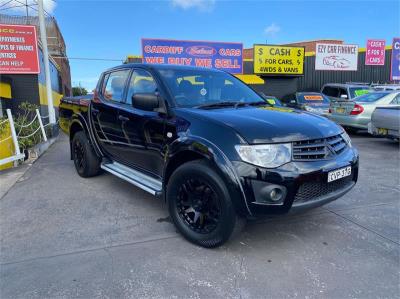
[(105, 111), (143, 130)]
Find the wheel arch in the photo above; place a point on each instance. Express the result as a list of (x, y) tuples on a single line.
[(78, 123), (197, 148)]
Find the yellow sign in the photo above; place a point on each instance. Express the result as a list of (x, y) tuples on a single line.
[(278, 60)]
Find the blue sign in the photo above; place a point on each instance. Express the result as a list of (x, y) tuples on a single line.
[(218, 55), (395, 70)]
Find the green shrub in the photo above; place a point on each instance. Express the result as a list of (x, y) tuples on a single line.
[(26, 113)]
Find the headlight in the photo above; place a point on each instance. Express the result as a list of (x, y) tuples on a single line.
[(346, 138), (265, 155)]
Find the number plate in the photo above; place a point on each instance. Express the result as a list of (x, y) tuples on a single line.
[(339, 173), (382, 131), (340, 110)]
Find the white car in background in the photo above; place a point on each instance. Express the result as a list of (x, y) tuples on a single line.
[(356, 114)]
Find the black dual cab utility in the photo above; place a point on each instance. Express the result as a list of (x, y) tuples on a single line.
[(207, 144)]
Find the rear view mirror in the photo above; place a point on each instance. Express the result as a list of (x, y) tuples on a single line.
[(145, 101)]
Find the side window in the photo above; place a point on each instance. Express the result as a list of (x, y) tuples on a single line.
[(114, 85), (396, 100), (103, 84), (141, 82), (330, 91)]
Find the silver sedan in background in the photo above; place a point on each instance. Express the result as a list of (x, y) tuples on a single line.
[(385, 121), (356, 114)]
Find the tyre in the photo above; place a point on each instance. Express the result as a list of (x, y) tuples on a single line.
[(200, 206), (87, 163)]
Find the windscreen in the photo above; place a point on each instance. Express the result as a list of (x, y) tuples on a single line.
[(191, 88), (359, 91), (312, 98), (371, 97)]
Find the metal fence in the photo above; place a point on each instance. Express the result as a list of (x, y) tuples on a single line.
[(14, 136)]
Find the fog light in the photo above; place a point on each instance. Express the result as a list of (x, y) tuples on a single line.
[(266, 193), (275, 194)]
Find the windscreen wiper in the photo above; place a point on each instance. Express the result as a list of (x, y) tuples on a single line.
[(260, 103), (235, 104), (220, 104)]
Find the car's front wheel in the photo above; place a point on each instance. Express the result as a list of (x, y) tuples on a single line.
[(200, 205)]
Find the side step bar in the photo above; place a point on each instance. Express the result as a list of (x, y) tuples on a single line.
[(137, 178)]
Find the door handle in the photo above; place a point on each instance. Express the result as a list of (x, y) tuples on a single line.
[(94, 110), (123, 118)]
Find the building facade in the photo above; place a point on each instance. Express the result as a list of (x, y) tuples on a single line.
[(312, 80), (18, 88)]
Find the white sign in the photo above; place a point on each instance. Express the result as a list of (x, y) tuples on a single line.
[(336, 57)]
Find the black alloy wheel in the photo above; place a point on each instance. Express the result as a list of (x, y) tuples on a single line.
[(79, 156), (198, 205)]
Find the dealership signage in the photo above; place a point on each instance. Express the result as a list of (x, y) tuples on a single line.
[(375, 52), (218, 55), (395, 68), (18, 50), (278, 60), (336, 57)]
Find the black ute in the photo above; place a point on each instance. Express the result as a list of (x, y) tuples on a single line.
[(208, 145)]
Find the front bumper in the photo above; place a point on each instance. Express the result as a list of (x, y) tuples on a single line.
[(304, 183)]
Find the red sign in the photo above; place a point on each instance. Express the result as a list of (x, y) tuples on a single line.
[(375, 53), (18, 50)]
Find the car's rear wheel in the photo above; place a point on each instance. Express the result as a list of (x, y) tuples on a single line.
[(87, 163), (200, 205)]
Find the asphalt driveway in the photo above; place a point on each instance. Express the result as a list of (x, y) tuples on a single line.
[(62, 236)]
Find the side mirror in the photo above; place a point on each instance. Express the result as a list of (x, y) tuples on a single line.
[(343, 96), (145, 101)]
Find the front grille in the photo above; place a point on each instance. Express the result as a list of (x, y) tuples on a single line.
[(318, 149), (312, 190)]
